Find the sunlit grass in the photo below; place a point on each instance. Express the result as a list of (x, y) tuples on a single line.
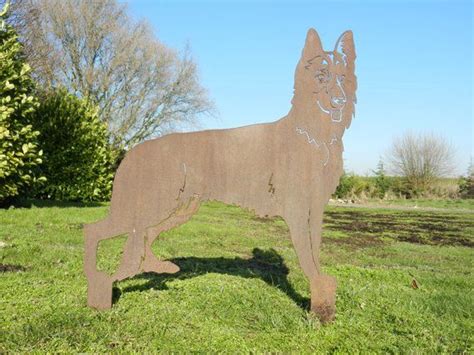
[(240, 287)]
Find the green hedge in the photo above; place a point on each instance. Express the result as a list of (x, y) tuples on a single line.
[(77, 159), (19, 152), (388, 187)]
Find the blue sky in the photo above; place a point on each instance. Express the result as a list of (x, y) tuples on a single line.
[(414, 63)]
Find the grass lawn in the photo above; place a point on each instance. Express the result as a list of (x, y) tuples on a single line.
[(405, 284)]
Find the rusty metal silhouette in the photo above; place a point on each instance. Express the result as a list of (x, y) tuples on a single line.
[(286, 168)]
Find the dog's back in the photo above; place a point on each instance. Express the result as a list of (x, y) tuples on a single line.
[(236, 166)]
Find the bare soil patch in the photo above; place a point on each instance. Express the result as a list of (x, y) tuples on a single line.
[(412, 227)]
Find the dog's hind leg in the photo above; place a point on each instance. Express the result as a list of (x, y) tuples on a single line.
[(306, 237), (180, 216), (133, 254)]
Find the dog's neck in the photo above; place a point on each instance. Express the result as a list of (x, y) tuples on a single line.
[(313, 119), (307, 123)]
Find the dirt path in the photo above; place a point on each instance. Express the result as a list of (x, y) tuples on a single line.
[(398, 207)]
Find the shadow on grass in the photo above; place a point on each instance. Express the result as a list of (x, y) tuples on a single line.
[(267, 265), (11, 268), (28, 203)]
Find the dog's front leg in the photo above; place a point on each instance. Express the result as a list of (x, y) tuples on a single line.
[(323, 287), (306, 237)]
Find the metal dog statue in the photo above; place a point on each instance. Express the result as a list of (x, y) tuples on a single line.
[(286, 168)]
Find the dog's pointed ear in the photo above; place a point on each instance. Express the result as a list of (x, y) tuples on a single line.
[(313, 45), (345, 46)]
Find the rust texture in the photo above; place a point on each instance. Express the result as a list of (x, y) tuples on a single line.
[(286, 168)]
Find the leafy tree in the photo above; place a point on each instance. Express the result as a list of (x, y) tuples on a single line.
[(19, 152), (77, 158)]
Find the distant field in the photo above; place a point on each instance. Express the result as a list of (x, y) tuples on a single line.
[(405, 284)]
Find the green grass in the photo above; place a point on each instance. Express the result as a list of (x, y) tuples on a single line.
[(240, 287)]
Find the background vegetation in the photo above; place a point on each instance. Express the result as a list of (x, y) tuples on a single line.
[(382, 186), (362, 188)]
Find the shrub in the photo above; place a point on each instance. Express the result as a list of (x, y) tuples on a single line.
[(382, 181), (19, 152), (344, 187), (466, 183), (351, 185), (77, 160), (445, 188)]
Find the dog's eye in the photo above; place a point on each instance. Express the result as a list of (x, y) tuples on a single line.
[(322, 76)]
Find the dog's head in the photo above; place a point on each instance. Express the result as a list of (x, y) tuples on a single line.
[(325, 82)]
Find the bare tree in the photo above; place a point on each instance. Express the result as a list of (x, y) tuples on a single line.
[(95, 50), (421, 158)]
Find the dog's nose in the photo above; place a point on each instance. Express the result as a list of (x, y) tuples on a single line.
[(338, 101)]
